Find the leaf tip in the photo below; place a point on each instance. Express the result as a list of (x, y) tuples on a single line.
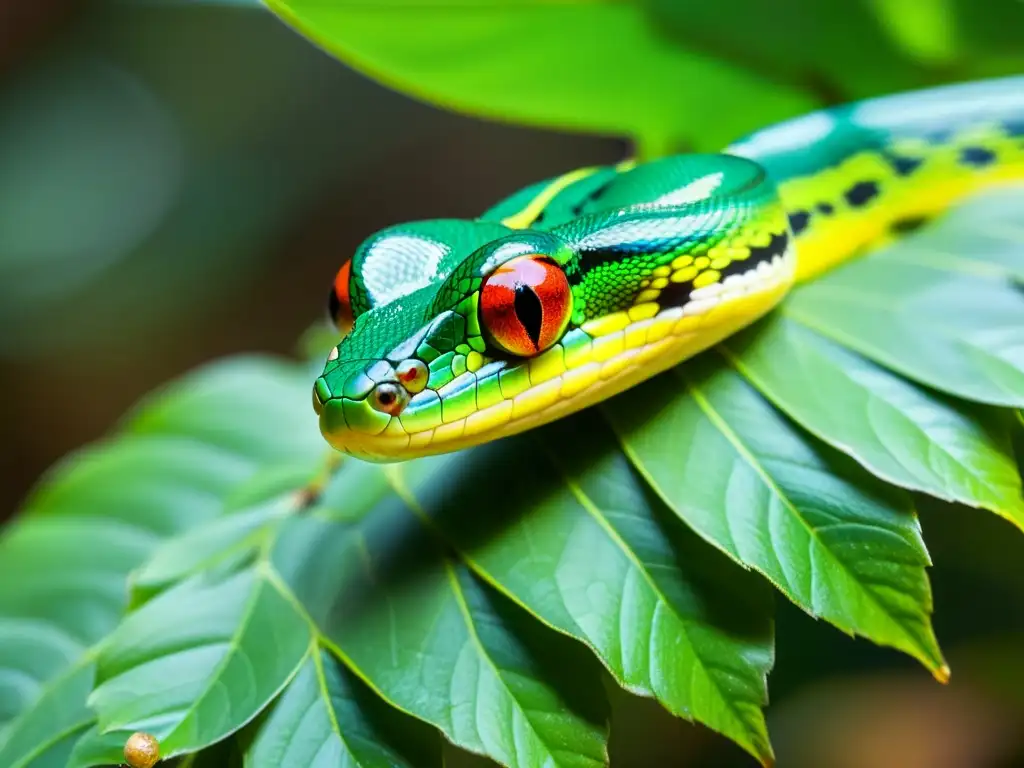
[(942, 674)]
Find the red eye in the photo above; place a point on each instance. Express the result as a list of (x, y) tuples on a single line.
[(525, 305), (339, 303)]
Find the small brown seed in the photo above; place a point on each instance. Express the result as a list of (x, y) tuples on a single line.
[(142, 750)]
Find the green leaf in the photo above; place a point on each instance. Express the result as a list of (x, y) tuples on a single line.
[(591, 551), (253, 407), (63, 570), (437, 644), (64, 564), (200, 661), (177, 482), (896, 429), (984, 231), (204, 545), (663, 71), (56, 753), (326, 717), (813, 44), (38, 737), (616, 74), (958, 332), (98, 748), (837, 542)]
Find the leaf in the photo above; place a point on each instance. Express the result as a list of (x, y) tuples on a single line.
[(57, 753), (958, 332), (492, 58), (218, 405), (593, 553), (59, 709), (662, 71), (326, 717), (439, 645), (837, 542), (176, 481), (800, 42), (896, 429), (984, 231), (62, 574), (204, 545), (200, 661), (97, 748), (95, 518)]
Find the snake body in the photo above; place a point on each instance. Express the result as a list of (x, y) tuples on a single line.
[(579, 287)]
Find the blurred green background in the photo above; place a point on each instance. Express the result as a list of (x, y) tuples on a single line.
[(179, 181)]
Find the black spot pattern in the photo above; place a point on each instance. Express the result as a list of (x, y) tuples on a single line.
[(529, 311), (861, 193), (825, 208), (908, 224), (979, 157), (798, 221), (904, 166), (776, 247), (675, 294)]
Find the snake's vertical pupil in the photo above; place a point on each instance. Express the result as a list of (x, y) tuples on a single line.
[(529, 312), (525, 305)]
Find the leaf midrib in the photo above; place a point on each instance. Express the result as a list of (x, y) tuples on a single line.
[(87, 657), (592, 509), (233, 645), (754, 464), (484, 654), (855, 297), (946, 492)]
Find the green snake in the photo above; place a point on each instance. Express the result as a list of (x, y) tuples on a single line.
[(574, 289)]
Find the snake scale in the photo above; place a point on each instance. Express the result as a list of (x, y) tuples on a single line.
[(576, 288)]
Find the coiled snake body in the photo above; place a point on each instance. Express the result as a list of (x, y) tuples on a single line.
[(579, 287)]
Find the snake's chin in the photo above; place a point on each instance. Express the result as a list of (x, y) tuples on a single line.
[(621, 355)]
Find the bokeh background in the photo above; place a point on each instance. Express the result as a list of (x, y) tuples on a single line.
[(180, 181)]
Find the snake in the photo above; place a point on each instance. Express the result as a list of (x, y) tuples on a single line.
[(456, 332)]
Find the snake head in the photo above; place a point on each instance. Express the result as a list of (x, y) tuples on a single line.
[(459, 340), (465, 331)]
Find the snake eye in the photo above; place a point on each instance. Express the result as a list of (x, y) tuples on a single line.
[(525, 305), (339, 302), (388, 397)]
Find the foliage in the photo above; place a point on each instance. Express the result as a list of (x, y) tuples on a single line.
[(328, 613), (669, 74), (297, 610)]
